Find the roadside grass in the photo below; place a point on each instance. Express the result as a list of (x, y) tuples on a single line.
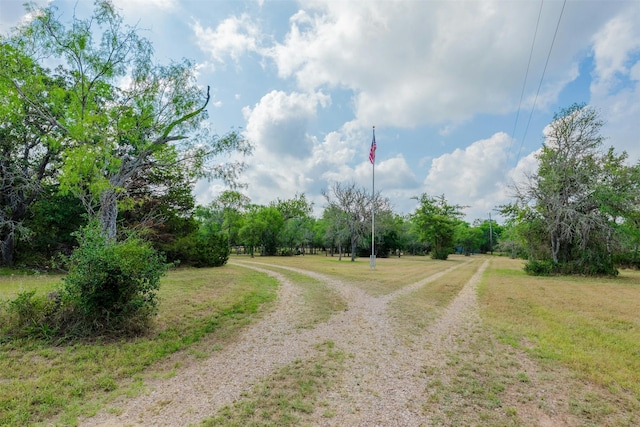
[(591, 326), (289, 396), (200, 310), (389, 275), (415, 311), (474, 385), (12, 283)]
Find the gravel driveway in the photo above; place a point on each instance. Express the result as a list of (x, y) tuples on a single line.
[(385, 382)]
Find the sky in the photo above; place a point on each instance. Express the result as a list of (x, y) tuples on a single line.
[(459, 92)]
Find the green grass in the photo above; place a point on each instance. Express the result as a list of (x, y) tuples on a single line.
[(589, 325), (287, 397), (43, 384), (414, 312), (577, 338), (390, 274), (13, 283)]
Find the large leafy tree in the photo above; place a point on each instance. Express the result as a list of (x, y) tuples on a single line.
[(262, 227), (124, 113), (297, 230), (578, 195), (231, 205), (435, 220), (30, 143)]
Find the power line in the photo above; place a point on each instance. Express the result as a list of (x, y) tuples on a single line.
[(526, 75), (541, 79)]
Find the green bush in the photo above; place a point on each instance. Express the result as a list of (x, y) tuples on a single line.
[(581, 267), (540, 268), (28, 315), (211, 251), (112, 285), (200, 250)]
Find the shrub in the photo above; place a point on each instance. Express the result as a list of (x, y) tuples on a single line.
[(28, 315), (112, 285), (540, 268), (200, 250)]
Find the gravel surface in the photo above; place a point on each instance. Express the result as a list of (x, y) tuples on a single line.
[(384, 383)]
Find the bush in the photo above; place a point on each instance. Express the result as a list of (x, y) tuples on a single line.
[(577, 267), (540, 268), (212, 251), (112, 285), (200, 250)]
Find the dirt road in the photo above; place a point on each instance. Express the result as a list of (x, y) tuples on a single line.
[(388, 381)]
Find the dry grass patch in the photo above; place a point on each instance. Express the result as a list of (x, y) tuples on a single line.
[(415, 311), (589, 325), (42, 384), (389, 275), (289, 396)]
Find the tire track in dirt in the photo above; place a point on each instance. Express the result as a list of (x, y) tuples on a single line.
[(385, 385)]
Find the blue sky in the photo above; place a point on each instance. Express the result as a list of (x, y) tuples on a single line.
[(442, 81)]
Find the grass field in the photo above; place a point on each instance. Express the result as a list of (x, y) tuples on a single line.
[(586, 330), (200, 311)]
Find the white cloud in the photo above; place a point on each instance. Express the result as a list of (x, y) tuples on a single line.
[(233, 37), (476, 176), (278, 124), (411, 63), (615, 88)]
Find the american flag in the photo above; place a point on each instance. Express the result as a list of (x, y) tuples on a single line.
[(372, 152)]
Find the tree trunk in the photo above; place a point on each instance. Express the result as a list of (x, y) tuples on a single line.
[(8, 247), (353, 250), (109, 213), (555, 248)]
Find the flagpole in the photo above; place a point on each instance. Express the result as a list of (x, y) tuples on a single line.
[(372, 259)]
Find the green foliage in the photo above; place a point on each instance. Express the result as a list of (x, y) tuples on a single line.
[(540, 268), (111, 284), (52, 220), (570, 211), (28, 315), (436, 221), (210, 251), (200, 250)]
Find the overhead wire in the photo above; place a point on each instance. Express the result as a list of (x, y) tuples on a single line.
[(541, 80), (526, 75)]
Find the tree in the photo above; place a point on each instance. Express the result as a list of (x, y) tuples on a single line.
[(491, 234), (125, 114), (435, 220), (296, 212), (231, 205), (467, 238), (352, 209), (30, 144), (577, 196), (262, 226), (335, 229)]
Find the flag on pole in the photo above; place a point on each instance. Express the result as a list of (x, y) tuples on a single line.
[(372, 152)]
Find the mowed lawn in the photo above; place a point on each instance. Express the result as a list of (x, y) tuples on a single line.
[(589, 326)]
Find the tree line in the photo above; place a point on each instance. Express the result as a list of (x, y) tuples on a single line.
[(100, 146)]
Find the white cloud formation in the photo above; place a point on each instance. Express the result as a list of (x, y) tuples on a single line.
[(233, 37), (278, 124), (615, 88), (476, 176), (412, 63)]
